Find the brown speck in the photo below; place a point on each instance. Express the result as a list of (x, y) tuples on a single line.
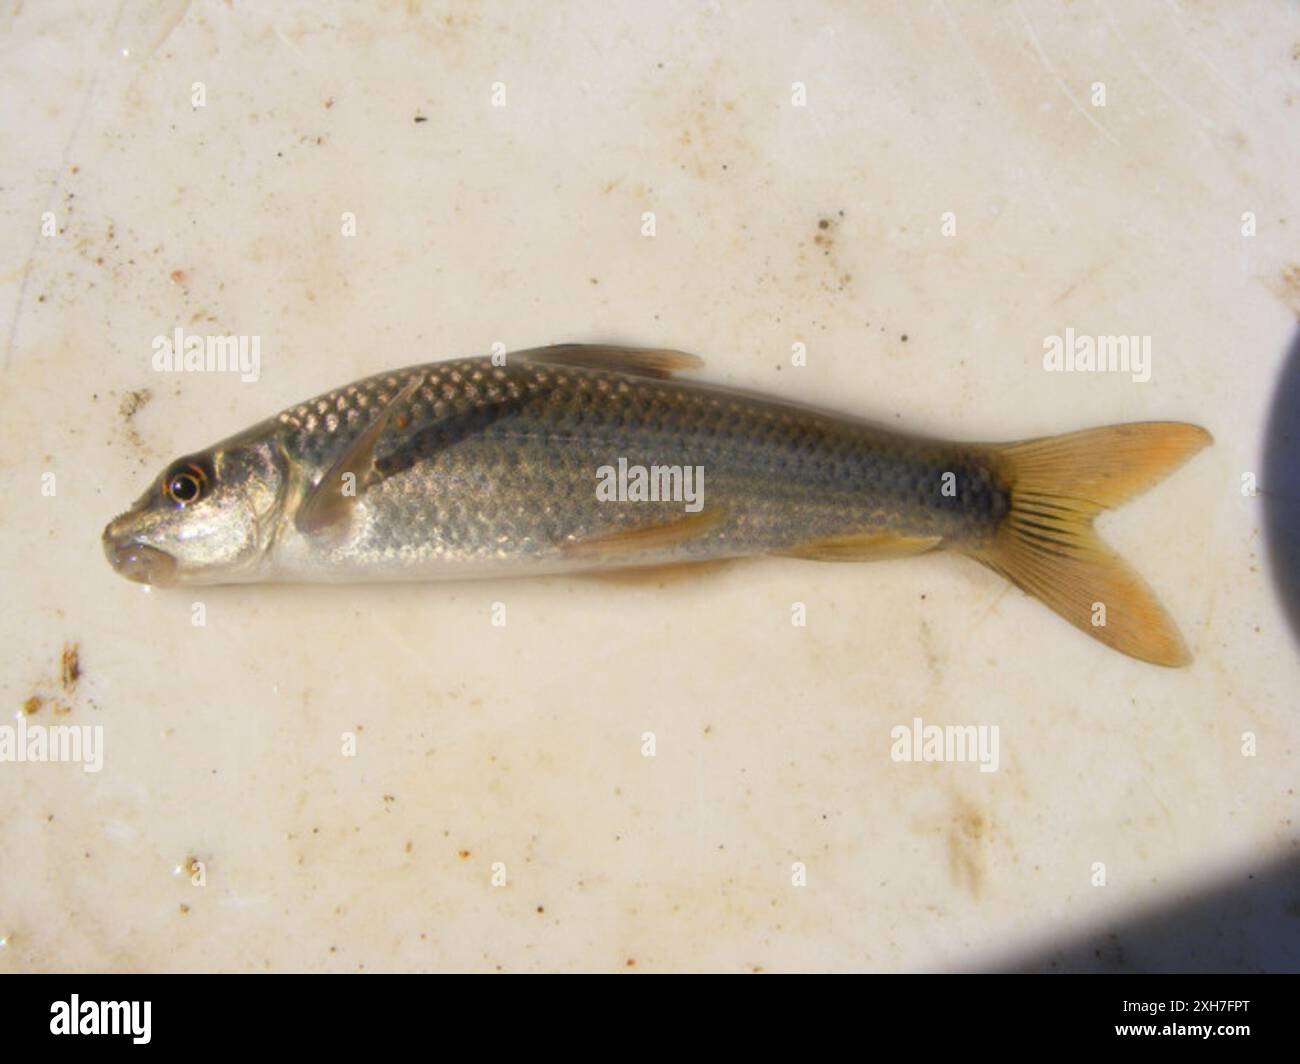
[(184, 908), (133, 401), (420, 118), (463, 855), (541, 908), (70, 668), (33, 705), (903, 337), (177, 276), (824, 224), (630, 962), (329, 103), (1286, 287), (409, 845)]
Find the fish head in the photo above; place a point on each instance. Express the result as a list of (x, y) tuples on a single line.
[(209, 518)]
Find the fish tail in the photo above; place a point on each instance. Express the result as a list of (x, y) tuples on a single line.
[(1047, 546)]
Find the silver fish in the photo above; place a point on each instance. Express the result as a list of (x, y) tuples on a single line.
[(573, 458)]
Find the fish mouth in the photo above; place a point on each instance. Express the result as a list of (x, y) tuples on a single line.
[(138, 561)]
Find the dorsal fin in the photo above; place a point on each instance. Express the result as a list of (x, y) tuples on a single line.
[(640, 361)]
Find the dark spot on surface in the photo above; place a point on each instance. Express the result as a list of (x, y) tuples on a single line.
[(903, 337), (420, 118), (823, 224), (33, 705), (463, 854), (1286, 286), (70, 666), (132, 402)]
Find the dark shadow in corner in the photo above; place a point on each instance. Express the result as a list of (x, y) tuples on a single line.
[(1247, 923), (1280, 485)]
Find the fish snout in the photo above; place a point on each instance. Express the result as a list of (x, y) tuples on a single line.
[(135, 560)]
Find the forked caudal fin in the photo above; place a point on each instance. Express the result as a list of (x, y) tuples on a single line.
[(1047, 546)]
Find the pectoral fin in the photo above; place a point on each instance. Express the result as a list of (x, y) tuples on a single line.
[(330, 504), (613, 545), (861, 547), (641, 361)]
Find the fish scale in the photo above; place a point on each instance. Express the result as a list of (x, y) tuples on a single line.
[(780, 474)]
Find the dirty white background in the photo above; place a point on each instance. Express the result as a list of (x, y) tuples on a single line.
[(520, 748)]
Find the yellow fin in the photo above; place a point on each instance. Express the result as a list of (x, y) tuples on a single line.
[(330, 503), (641, 361), (636, 540), (1047, 546), (861, 547)]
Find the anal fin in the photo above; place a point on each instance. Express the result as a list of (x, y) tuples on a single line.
[(861, 547)]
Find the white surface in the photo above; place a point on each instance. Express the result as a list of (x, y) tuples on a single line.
[(521, 224)]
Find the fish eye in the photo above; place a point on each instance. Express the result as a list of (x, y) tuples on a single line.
[(185, 483)]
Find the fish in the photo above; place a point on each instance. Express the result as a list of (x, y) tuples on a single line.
[(594, 459)]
